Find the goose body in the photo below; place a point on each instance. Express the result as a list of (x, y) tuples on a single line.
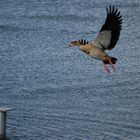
[(93, 51), (105, 40)]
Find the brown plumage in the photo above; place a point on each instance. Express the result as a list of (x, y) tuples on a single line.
[(106, 39)]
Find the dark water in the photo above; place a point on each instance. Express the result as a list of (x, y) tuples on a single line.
[(59, 93)]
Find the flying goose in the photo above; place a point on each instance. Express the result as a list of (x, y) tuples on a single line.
[(105, 40)]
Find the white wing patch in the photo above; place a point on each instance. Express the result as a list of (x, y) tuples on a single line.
[(102, 40)]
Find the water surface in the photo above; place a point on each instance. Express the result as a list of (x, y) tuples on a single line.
[(60, 93)]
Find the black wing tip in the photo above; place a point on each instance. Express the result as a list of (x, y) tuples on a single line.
[(112, 9), (83, 41)]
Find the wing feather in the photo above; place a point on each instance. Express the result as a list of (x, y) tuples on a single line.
[(110, 31)]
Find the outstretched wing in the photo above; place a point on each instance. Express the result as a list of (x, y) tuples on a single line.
[(110, 31)]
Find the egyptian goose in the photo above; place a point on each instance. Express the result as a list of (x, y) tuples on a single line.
[(106, 39)]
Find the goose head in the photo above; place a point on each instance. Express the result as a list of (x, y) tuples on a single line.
[(78, 43)]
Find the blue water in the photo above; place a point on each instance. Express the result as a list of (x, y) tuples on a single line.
[(60, 93)]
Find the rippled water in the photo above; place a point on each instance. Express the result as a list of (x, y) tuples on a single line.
[(60, 93)]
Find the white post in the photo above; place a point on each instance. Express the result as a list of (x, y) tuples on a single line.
[(3, 112)]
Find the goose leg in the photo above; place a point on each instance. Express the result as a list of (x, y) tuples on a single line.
[(112, 65), (107, 68)]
